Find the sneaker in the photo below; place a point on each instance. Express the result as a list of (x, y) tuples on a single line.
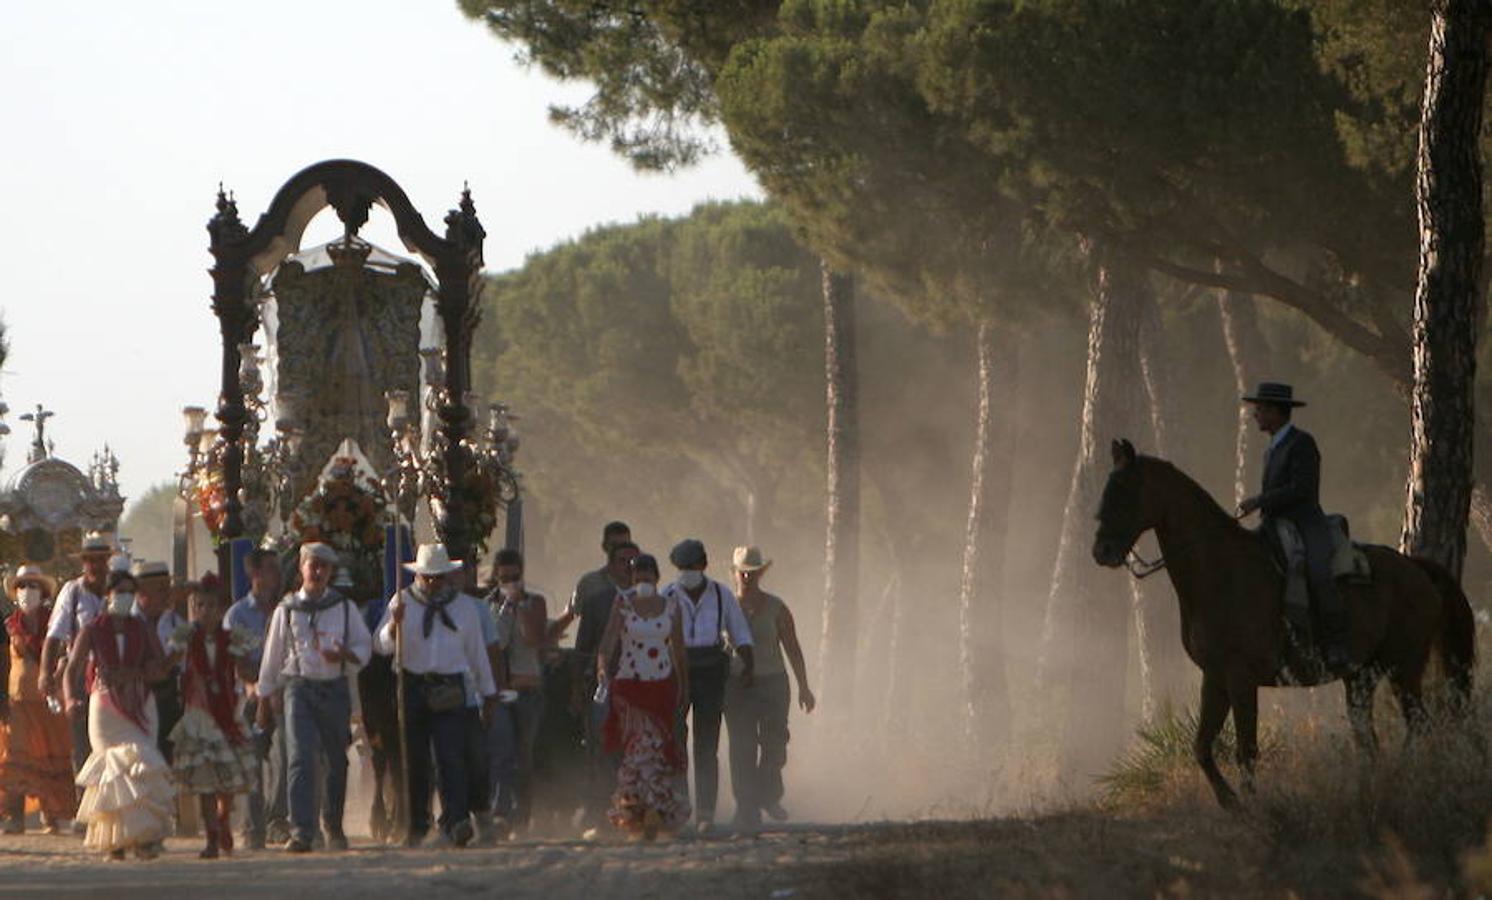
[(297, 845), (414, 840), (253, 841), (336, 840), (149, 851), (277, 833), (461, 833), (776, 811)]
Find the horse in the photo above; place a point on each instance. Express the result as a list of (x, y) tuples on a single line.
[(1232, 615)]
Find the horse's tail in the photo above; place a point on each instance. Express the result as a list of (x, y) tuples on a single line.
[(1457, 632)]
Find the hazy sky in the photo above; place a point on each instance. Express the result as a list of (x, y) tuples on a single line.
[(121, 118)]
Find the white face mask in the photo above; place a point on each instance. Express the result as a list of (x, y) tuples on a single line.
[(122, 603), (30, 598), (646, 589), (692, 579)]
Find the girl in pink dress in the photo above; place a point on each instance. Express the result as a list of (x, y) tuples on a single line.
[(650, 687)]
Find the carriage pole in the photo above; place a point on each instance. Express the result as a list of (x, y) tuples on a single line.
[(404, 794)]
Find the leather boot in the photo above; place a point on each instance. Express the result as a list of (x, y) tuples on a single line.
[(210, 826)]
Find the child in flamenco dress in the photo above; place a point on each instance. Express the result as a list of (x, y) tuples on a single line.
[(214, 756)]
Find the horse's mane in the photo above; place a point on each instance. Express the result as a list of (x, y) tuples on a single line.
[(1204, 500)]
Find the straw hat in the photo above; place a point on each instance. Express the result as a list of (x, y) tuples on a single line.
[(96, 543), (433, 559), (30, 575), (143, 569), (749, 559)]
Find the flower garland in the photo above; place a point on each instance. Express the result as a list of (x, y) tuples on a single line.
[(346, 510)]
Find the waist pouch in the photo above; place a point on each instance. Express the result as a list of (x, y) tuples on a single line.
[(704, 657), (442, 693)]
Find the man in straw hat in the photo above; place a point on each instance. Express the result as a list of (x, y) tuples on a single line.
[(756, 714), (153, 606), (434, 656), (316, 638), (1292, 493), (79, 602), (710, 612)]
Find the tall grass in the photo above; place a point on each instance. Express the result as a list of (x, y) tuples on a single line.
[(1418, 810)]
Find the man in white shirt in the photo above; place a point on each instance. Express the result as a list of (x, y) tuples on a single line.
[(435, 655), (79, 602), (316, 638), (710, 611), (153, 605)]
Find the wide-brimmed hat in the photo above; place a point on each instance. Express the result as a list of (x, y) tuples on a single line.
[(1274, 392), (433, 559), (143, 569), (688, 554), (96, 542), (30, 575), (749, 559)]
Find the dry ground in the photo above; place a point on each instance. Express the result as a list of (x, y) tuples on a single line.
[(1081, 854)]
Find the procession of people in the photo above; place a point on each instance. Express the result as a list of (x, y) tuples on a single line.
[(137, 708)]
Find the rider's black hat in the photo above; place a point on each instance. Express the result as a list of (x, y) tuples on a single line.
[(1274, 392)]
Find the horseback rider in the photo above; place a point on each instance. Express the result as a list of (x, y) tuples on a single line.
[(1291, 492)]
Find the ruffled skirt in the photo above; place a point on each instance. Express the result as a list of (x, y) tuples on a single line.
[(127, 792), (37, 758), (205, 761)]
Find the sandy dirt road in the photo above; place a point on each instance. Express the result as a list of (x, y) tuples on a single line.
[(1072, 855)]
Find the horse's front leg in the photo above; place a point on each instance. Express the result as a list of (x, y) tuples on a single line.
[(1360, 686), (1244, 696), (1214, 714)]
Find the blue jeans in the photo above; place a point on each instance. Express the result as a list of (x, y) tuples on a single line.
[(318, 729), (514, 730), (447, 731)]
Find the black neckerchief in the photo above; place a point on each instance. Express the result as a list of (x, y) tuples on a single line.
[(435, 606)]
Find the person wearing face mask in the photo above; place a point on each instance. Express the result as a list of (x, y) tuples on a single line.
[(127, 793), (79, 602), (37, 754), (647, 689), (710, 614), (435, 634), (522, 622)]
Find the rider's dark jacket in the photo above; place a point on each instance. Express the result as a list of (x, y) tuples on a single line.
[(1292, 481)]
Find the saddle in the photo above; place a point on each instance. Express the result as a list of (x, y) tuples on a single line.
[(1349, 565)]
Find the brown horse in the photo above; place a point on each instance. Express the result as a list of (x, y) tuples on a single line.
[(1232, 617)]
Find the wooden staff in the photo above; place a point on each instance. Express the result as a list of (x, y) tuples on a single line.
[(403, 792)]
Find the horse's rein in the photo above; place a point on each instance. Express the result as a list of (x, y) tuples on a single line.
[(1142, 568)]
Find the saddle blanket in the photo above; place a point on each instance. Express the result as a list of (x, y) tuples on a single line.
[(1349, 561)]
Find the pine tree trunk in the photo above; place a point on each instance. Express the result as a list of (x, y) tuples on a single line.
[(1448, 192), (1163, 664), (1085, 635), (842, 537), (981, 637), (1246, 350)]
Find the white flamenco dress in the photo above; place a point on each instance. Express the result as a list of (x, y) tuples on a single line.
[(127, 793)]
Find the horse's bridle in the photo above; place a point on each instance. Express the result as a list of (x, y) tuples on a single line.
[(1142, 568)]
